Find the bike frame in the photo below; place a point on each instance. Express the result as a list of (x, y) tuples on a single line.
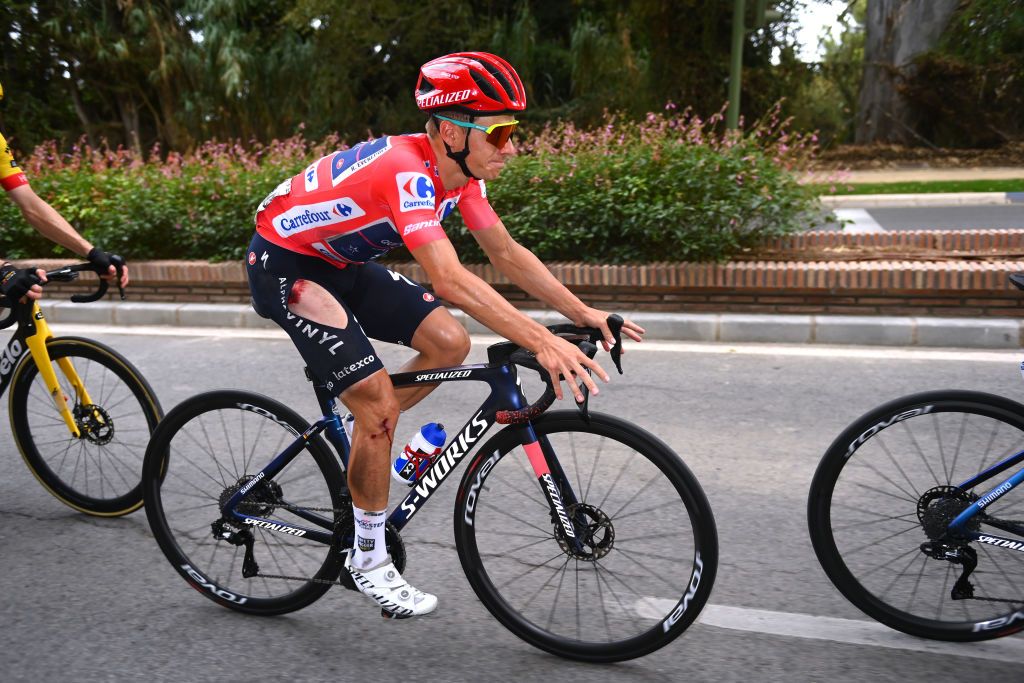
[(31, 336), (505, 395), (958, 525)]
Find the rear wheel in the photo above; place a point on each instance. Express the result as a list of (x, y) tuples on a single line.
[(647, 548), (884, 495), (208, 448)]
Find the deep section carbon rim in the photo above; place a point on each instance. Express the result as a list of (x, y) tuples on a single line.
[(98, 472), (647, 551), (208, 448), (882, 500)]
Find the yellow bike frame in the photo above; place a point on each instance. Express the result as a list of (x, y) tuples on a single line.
[(37, 347)]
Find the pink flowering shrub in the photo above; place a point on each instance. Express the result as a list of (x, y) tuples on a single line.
[(183, 206), (672, 187)]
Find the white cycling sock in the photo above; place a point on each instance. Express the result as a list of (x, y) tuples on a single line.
[(369, 547)]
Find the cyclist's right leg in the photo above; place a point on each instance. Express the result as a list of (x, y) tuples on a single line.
[(375, 406), (304, 295)]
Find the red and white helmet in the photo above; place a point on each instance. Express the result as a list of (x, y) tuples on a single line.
[(475, 83)]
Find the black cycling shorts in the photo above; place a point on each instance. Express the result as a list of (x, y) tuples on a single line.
[(380, 304)]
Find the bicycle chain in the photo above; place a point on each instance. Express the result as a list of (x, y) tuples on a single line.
[(293, 508), (1007, 600), (299, 578)]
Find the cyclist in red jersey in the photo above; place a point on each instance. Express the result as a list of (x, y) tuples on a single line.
[(310, 269), (16, 283)]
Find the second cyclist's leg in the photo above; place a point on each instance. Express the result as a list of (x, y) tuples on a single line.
[(442, 343)]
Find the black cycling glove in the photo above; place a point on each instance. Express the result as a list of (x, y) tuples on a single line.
[(102, 260), (15, 283)]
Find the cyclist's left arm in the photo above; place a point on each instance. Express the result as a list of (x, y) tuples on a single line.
[(522, 267)]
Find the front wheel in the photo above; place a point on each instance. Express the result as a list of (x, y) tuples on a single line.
[(98, 471), (647, 547), (883, 497)]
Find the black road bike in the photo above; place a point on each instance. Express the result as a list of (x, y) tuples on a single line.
[(581, 533), (913, 517), (81, 414)]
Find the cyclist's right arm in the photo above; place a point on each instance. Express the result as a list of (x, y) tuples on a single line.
[(455, 284)]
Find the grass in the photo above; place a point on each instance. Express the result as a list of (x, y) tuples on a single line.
[(925, 187)]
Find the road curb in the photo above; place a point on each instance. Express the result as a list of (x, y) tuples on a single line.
[(988, 333), (870, 201)]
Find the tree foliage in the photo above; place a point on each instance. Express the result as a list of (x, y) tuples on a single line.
[(178, 72), (970, 88)]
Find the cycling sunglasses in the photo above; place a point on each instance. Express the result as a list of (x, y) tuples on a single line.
[(498, 134)]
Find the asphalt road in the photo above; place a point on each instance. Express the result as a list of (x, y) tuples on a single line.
[(94, 600)]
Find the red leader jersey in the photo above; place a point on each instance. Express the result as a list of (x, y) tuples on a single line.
[(358, 204)]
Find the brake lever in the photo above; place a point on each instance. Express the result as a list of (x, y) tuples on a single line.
[(584, 406), (615, 323)]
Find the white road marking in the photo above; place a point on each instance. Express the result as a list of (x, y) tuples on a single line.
[(861, 221), (798, 350), (850, 631), (830, 351)]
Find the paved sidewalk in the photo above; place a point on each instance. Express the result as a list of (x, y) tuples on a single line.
[(871, 201), (907, 175), (912, 175), (989, 333)]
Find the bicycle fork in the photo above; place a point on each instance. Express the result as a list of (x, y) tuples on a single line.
[(36, 343), (556, 492)]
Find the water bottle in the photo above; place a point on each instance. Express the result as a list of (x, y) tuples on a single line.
[(419, 453)]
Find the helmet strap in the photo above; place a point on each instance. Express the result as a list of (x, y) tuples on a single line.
[(460, 157)]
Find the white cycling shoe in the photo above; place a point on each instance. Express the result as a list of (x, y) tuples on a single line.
[(385, 586)]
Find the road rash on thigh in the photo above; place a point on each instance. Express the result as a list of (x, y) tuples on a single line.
[(314, 303)]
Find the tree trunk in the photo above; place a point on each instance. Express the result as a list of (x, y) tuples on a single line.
[(83, 115), (130, 121), (897, 32)]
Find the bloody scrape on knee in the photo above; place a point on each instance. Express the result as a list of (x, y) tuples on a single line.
[(386, 430)]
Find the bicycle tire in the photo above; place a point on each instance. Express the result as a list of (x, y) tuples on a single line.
[(859, 516), (97, 474), (197, 458), (669, 498)]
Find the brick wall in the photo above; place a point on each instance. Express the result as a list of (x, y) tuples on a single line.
[(956, 273)]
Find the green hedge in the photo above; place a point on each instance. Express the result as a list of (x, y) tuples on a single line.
[(669, 188)]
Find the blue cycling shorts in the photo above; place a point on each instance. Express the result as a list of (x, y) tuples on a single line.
[(380, 304)]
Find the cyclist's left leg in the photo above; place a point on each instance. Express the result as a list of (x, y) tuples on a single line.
[(392, 308)]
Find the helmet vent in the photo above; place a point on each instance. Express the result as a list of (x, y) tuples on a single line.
[(485, 87), (501, 78)]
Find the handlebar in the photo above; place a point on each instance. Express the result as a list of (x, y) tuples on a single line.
[(585, 338), (66, 274)]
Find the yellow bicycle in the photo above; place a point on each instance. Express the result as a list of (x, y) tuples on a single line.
[(81, 414)]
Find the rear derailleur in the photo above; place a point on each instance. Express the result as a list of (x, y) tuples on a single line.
[(224, 530), (963, 555)]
